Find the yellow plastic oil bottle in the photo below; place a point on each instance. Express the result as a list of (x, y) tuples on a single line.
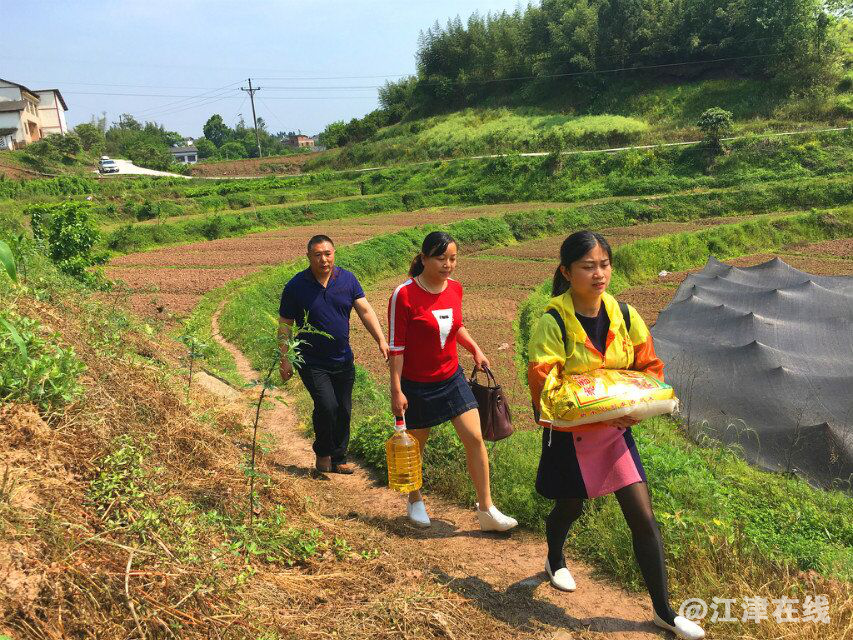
[(404, 459)]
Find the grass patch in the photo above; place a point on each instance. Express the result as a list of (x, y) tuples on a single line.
[(215, 357), (625, 112), (480, 131), (670, 459), (726, 525)]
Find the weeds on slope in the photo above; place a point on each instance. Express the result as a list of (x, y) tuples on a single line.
[(122, 510)]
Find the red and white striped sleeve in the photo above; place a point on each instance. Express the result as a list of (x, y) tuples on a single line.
[(398, 319)]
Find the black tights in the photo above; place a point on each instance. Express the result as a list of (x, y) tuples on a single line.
[(645, 537)]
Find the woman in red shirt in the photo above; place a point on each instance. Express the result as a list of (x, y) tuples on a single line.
[(427, 383)]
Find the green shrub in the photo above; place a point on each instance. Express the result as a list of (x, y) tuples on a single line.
[(70, 235), (240, 200), (715, 123), (146, 211), (59, 186), (33, 367), (213, 228)]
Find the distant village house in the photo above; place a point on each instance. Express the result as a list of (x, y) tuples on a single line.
[(298, 140), (186, 154), (28, 115)]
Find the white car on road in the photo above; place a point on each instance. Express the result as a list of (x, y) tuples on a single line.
[(106, 165)]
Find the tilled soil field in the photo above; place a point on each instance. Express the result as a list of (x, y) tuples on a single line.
[(549, 248), (251, 166), (168, 282)]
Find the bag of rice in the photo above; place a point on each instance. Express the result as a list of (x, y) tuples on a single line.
[(605, 394)]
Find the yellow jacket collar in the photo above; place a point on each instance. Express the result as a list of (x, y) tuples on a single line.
[(566, 308)]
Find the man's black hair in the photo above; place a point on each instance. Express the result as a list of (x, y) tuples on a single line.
[(318, 239)]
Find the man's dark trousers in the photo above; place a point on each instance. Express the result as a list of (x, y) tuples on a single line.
[(330, 387)]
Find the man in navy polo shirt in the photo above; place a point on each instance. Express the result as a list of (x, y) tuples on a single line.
[(328, 293)]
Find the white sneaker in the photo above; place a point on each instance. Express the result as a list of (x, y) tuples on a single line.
[(683, 628), (562, 579), (494, 520), (417, 514)]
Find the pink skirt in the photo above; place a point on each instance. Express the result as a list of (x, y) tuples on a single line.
[(587, 463)]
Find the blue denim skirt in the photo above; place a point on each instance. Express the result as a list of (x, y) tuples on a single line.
[(431, 403)]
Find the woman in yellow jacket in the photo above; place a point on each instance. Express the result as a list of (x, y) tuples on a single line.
[(584, 328)]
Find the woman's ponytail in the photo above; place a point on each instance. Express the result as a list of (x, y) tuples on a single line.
[(417, 267), (435, 244), (560, 284)]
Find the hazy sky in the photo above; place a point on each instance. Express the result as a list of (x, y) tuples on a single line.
[(305, 55)]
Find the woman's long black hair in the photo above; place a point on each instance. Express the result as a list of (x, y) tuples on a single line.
[(575, 247), (434, 244)]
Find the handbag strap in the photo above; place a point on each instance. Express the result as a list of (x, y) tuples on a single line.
[(490, 377)]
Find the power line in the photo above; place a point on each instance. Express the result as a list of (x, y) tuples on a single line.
[(726, 41), (137, 95), (390, 75), (219, 90), (160, 114), (331, 87), (224, 97), (283, 127), (182, 105), (321, 97), (108, 84), (637, 68), (488, 81)]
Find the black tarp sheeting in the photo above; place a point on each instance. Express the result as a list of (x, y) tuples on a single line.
[(763, 357)]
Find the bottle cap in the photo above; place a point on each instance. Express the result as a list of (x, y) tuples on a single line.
[(399, 423)]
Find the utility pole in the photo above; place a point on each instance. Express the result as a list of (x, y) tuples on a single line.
[(251, 93)]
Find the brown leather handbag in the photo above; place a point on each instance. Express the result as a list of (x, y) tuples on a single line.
[(495, 418)]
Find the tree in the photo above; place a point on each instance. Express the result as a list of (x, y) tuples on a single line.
[(69, 145), (206, 149), (127, 121), (398, 98), (91, 137), (147, 145), (334, 135), (232, 151), (715, 123), (146, 154), (216, 130)]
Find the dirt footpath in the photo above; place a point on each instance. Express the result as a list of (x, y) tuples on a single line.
[(500, 574)]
